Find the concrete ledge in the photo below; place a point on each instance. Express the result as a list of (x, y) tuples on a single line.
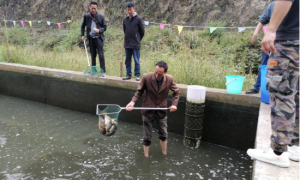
[(230, 120), (212, 94), (263, 170)]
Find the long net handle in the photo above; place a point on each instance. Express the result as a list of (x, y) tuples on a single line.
[(87, 56), (146, 108)]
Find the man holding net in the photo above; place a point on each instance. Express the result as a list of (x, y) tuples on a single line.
[(157, 86), (95, 25)]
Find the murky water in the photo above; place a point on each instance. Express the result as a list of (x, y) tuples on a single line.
[(39, 141)]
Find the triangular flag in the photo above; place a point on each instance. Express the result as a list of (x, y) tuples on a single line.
[(240, 29), (14, 23), (5, 20), (162, 26), (59, 25), (22, 22), (30, 23), (265, 28), (180, 29), (48, 22), (212, 29), (69, 21), (146, 23), (39, 21)]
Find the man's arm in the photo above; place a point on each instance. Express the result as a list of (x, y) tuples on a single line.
[(124, 28), (254, 38), (141, 28), (175, 96), (83, 24), (263, 20), (281, 8), (138, 94), (104, 25)]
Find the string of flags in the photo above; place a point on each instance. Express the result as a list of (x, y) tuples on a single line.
[(162, 25), (211, 29), (39, 21)]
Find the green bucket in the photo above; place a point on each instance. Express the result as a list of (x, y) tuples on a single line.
[(234, 84)]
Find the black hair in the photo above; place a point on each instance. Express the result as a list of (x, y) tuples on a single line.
[(93, 3), (162, 64), (129, 4)]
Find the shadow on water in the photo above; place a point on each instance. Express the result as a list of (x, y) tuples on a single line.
[(44, 142)]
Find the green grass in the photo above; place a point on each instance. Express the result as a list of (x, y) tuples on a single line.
[(194, 56)]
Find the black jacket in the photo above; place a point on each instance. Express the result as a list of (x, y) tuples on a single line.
[(87, 21), (134, 31)]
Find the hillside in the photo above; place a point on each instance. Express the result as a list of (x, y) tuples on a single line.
[(188, 12)]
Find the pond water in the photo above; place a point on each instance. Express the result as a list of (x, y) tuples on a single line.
[(39, 141)]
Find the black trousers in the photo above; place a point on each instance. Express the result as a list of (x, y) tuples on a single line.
[(97, 45)]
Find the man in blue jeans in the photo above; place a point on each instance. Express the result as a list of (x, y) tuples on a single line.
[(264, 19), (134, 32)]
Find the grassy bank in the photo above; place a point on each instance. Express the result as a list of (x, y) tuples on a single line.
[(194, 56)]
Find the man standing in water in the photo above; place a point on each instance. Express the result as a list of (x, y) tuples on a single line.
[(95, 25), (157, 86), (134, 32), (283, 84)]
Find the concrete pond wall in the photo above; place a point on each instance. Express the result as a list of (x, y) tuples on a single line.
[(229, 120)]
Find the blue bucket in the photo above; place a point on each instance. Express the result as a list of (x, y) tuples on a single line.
[(234, 84), (264, 96)]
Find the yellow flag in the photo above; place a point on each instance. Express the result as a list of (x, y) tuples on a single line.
[(29, 23), (69, 21), (180, 29)]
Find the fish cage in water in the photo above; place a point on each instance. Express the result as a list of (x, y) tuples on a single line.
[(193, 125), (194, 114)]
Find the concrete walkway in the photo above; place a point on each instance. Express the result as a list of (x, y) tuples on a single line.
[(263, 170)]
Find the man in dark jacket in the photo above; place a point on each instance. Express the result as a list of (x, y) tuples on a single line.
[(134, 32), (157, 86), (95, 26)]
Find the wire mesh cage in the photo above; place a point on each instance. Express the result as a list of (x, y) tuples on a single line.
[(108, 118), (94, 71)]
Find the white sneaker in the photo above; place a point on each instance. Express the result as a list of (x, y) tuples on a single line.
[(269, 156), (103, 75), (293, 153)]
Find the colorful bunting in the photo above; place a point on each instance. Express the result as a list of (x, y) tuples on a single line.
[(22, 22), (30, 23), (265, 28), (39, 21), (180, 29), (14, 23), (5, 20), (162, 26), (69, 21), (48, 22), (240, 29), (212, 29), (146, 23), (59, 25)]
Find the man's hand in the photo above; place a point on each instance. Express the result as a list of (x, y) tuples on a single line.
[(267, 43), (254, 38), (96, 31), (173, 108), (83, 38), (130, 106)]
